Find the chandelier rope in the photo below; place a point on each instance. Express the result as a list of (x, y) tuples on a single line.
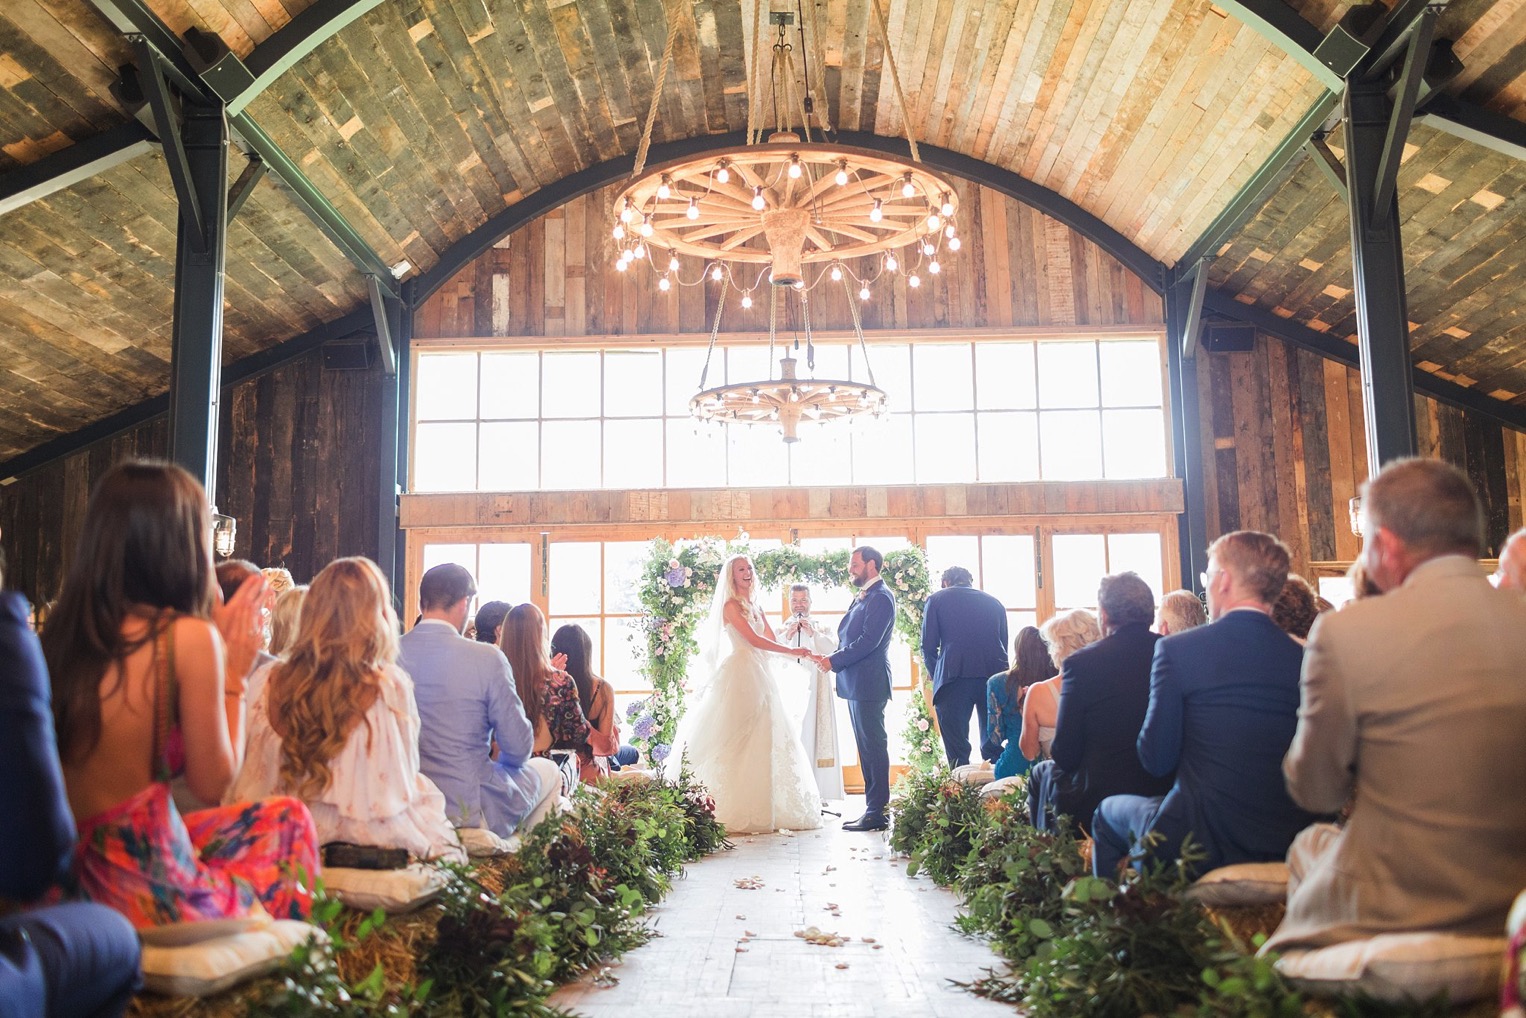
[(657, 86), (895, 79)]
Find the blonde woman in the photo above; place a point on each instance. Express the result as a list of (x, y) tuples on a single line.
[(335, 723), (1066, 633), (283, 620)]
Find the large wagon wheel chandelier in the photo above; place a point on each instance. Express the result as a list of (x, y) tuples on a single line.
[(785, 216)]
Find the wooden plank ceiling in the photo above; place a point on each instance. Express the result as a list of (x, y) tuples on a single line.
[(424, 118)]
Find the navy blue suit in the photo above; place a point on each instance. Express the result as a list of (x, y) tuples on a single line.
[(70, 959), (1223, 708), (862, 664), (964, 641)]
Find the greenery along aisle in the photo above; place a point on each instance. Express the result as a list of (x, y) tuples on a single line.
[(676, 587)]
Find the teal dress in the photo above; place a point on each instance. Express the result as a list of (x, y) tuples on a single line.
[(1004, 724)]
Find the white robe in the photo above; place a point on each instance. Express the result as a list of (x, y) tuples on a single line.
[(818, 726)]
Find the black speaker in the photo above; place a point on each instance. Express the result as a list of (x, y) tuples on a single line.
[(1229, 337), (349, 354)]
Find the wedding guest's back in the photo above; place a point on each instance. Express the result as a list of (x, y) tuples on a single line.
[(1005, 693), (284, 617), (1179, 611), (549, 695), (595, 696), (1413, 705), (1065, 633), (488, 621), (1296, 608), (141, 693)]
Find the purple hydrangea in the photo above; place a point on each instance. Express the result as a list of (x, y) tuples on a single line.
[(644, 727), (660, 752), (675, 577), (634, 709)]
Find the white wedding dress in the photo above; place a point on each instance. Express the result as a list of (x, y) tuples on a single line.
[(740, 742)]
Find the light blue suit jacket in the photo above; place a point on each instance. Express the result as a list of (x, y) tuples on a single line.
[(466, 698)]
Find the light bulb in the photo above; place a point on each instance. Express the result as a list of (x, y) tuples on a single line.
[(629, 254), (646, 226), (927, 248), (907, 189), (664, 189), (794, 167), (890, 263), (722, 174), (619, 232), (757, 198), (877, 213), (716, 273), (947, 206), (621, 265), (842, 173), (934, 267), (640, 251), (746, 301), (933, 222), (953, 243), (913, 280), (693, 212), (672, 262), (627, 213), (663, 284), (863, 293), (836, 273), (948, 229)]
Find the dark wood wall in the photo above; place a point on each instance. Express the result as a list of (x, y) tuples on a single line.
[(297, 467), (1285, 450)]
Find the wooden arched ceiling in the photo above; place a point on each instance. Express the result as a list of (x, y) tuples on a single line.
[(423, 119)]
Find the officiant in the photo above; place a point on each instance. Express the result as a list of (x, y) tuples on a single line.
[(818, 730)]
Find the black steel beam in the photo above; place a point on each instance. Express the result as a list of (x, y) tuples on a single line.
[(1186, 429), (575, 185), (383, 310), (1493, 131), (167, 126), (1333, 169), (69, 166), (1377, 265), (200, 254), (1403, 108), (1280, 24), (389, 440), (1196, 282), (244, 186), (1394, 35)]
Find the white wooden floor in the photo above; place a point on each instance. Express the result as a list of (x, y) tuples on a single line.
[(729, 951)]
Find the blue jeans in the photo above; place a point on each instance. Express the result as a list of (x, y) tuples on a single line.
[(75, 960), (868, 717), (953, 702), (1117, 828)]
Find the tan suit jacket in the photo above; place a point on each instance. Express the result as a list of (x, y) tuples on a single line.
[(1414, 702)]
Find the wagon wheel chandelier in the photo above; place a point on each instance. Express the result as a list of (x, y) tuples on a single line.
[(783, 217)]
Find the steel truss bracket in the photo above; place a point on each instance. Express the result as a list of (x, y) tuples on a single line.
[(254, 171), (1333, 169), (1192, 329), (1415, 60), (385, 310), (167, 124)]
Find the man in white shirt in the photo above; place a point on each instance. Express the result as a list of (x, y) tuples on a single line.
[(818, 729)]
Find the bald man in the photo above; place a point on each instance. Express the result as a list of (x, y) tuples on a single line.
[(1511, 574)]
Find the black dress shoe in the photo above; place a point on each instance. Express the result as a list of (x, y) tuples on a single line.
[(868, 822)]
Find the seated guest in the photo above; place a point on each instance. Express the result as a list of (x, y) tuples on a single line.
[(549, 695), (1105, 688), (489, 618), (1223, 706), (1413, 708), (1005, 692), (1361, 584), (467, 702), (1065, 633), (1511, 574), (595, 696), (72, 959), (1296, 608), (334, 724), (141, 693), (283, 619), (1179, 611), (232, 574)]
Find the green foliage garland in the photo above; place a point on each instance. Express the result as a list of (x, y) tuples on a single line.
[(677, 583)]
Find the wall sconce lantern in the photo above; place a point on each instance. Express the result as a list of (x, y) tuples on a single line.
[(224, 533), (1355, 509)]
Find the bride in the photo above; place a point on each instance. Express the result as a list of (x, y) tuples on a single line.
[(736, 734)]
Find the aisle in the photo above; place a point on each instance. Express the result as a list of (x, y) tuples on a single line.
[(700, 965)]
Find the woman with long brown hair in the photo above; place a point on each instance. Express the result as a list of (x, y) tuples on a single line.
[(549, 695), (335, 723), (1005, 693), (148, 669), (595, 696)]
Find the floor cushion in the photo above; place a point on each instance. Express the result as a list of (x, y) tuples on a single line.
[(1242, 885), (203, 967), (1400, 967), (975, 774), (630, 776), (392, 891), (481, 843), (1001, 786)]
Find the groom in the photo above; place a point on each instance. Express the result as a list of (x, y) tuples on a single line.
[(862, 664)]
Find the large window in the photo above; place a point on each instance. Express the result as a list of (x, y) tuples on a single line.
[(516, 420)]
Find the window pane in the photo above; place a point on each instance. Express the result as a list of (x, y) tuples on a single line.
[(569, 454), (1067, 374), (892, 372), (749, 363), (683, 367), (1007, 569), (511, 385), (945, 447), (1015, 623), (1138, 553), (1008, 446), (942, 378), (1004, 376), (696, 455), (509, 457), (1130, 373), (882, 450), (946, 550), (633, 454), (623, 562), (822, 456), (1134, 443), (445, 457), (504, 573), (442, 554), (570, 384), (574, 581), (632, 383), (831, 362), (1080, 562), (444, 387), (757, 455), (1071, 445), (624, 655)]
